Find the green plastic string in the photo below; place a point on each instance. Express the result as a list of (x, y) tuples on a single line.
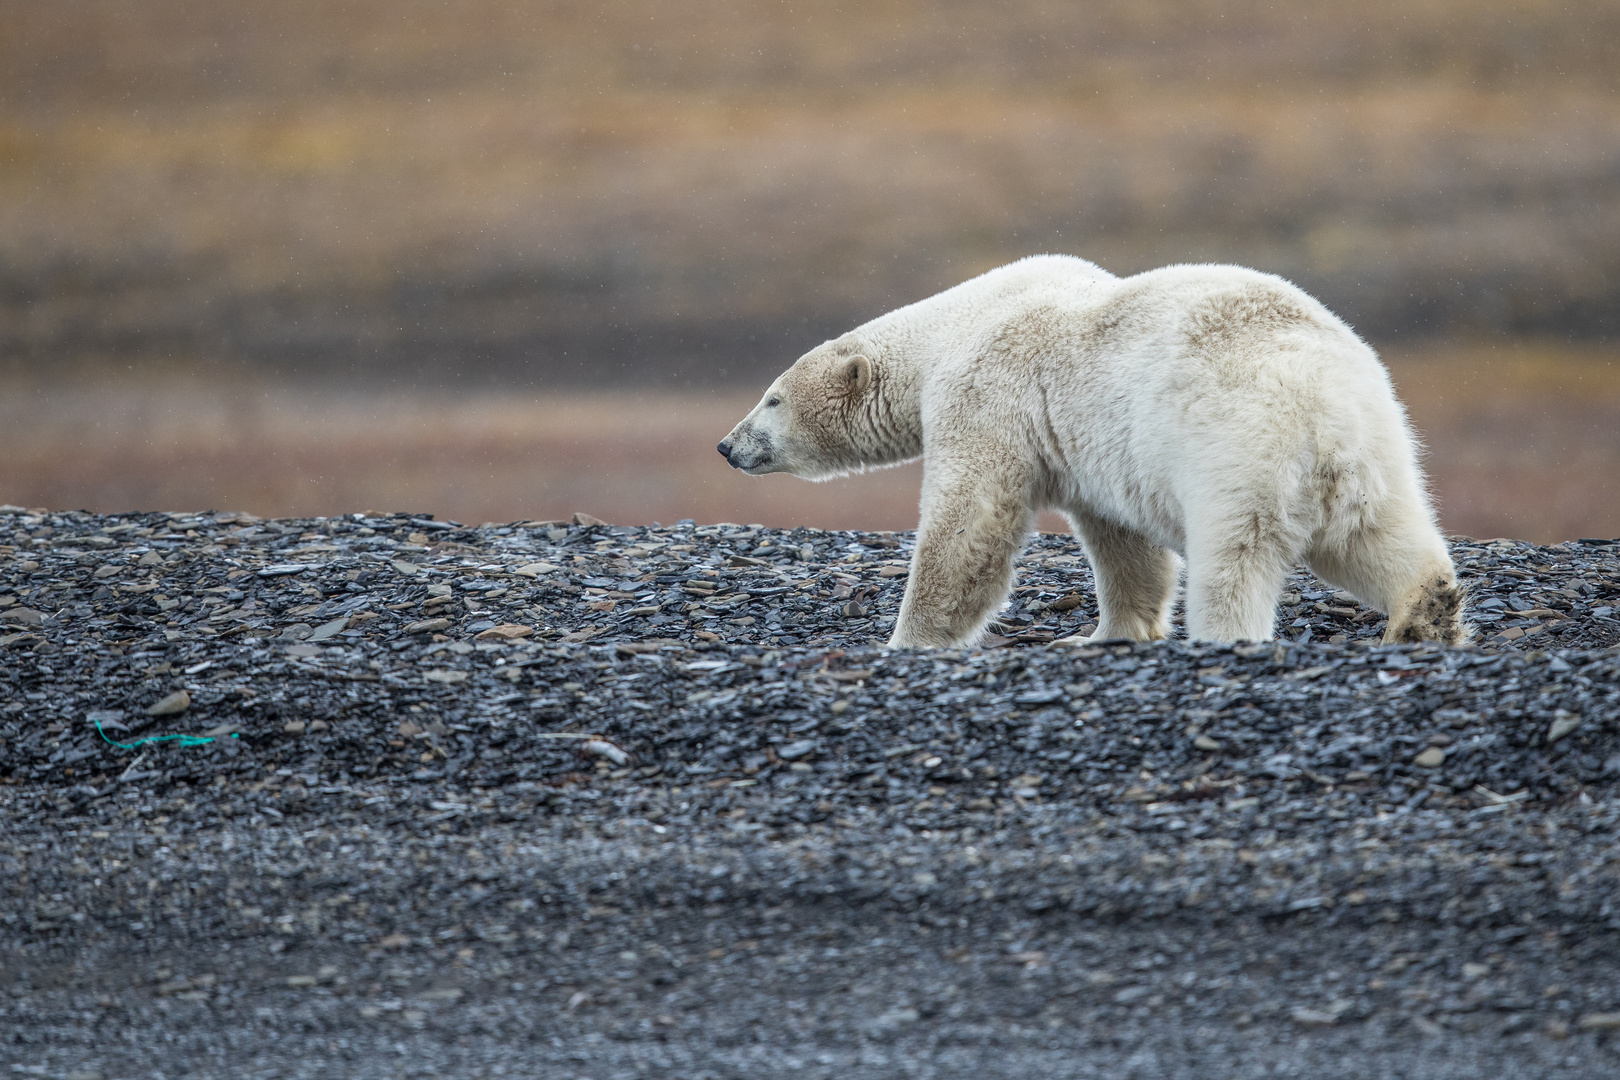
[(185, 740)]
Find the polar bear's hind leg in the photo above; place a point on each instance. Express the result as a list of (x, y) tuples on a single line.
[(1405, 572), (1235, 572)]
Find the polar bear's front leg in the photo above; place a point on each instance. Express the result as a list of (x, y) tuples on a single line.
[(975, 521), (1136, 579)]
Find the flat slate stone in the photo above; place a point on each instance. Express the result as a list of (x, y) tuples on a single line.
[(1337, 850)]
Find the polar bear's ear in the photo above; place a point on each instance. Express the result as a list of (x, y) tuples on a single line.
[(857, 375)]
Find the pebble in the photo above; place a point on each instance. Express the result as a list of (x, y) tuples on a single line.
[(177, 702), (329, 629), (425, 626), (603, 748), (283, 570), (448, 676), (504, 632), (1313, 1017), (1563, 724), (1301, 787)]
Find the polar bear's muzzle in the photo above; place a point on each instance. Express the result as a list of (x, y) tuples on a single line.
[(746, 451)]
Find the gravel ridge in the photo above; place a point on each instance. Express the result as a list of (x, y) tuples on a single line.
[(568, 799)]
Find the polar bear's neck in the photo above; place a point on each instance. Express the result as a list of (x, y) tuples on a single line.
[(905, 345), (887, 426), (919, 333)]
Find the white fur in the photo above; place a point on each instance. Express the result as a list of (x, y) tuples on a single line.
[(1211, 411)]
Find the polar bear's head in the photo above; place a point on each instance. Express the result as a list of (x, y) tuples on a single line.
[(815, 420)]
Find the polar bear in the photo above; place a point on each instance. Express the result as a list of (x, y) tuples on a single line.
[(1214, 412)]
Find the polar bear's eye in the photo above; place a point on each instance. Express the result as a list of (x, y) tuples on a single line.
[(773, 403)]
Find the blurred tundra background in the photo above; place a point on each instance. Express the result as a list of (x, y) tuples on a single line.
[(500, 260)]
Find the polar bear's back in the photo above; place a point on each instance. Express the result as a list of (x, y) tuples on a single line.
[(1190, 376), (1188, 339), (1241, 320), (1251, 351), (1066, 312)]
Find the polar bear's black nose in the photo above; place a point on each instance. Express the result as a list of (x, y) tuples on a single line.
[(725, 450)]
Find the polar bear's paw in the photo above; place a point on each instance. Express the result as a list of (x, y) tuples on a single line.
[(1098, 636), (1433, 612)]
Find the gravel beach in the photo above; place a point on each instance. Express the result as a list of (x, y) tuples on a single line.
[(384, 796)]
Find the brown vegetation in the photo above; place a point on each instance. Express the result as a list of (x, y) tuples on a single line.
[(437, 208), (1522, 442), (581, 191)]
